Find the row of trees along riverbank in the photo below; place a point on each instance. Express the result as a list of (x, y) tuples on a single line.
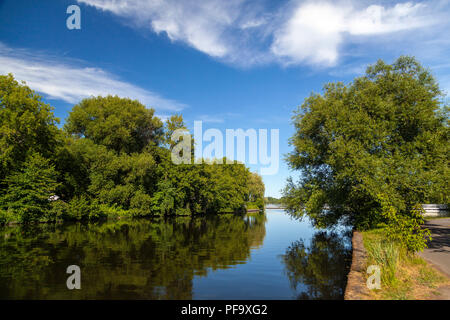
[(370, 152), (111, 158)]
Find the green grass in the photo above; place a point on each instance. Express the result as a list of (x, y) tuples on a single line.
[(383, 253), (437, 218), (404, 275), (429, 277)]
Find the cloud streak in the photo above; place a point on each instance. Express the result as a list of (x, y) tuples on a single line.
[(200, 24), (63, 80), (246, 32)]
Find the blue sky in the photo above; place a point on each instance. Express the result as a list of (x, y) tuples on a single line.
[(232, 64)]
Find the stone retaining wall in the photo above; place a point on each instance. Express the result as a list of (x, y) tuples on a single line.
[(356, 288)]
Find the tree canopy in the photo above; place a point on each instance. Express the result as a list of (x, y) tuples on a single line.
[(372, 150), (27, 126), (112, 158), (123, 125)]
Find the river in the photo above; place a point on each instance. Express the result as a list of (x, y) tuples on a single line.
[(254, 256)]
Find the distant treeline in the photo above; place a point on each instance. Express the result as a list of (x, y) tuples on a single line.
[(111, 158), (271, 200)]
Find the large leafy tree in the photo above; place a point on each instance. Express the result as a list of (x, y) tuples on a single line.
[(372, 150), (121, 124), (27, 126)]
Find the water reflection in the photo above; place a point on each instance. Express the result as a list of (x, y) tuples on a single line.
[(221, 257), (123, 259), (319, 270)]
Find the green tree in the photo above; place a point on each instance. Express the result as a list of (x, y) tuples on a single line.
[(256, 190), (27, 126), (113, 157), (28, 190), (120, 124), (175, 122), (377, 145), (256, 187)]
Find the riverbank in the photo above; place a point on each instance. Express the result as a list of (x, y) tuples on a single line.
[(109, 213), (404, 276), (356, 288)]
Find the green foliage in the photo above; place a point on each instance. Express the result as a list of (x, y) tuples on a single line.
[(256, 188), (27, 126), (258, 204), (141, 204), (120, 124), (58, 211), (6, 217), (272, 200), (82, 209), (405, 227), (175, 122), (112, 159), (385, 133), (28, 190), (402, 271), (384, 254)]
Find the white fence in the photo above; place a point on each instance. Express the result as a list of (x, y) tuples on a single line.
[(435, 210)]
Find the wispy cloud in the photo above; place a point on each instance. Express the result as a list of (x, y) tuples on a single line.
[(217, 118), (200, 24), (315, 30), (210, 119), (62, 79), (227, 30), (246, 32)]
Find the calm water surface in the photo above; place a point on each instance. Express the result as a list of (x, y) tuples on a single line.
[(262, 256)]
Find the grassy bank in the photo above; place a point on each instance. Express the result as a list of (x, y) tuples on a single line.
[(404, 276)]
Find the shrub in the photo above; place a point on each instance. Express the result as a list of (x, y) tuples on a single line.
[(58, 210), (6, 217), (81, 209), (28, 190), (183, 212), (405, 227), (141, 204)]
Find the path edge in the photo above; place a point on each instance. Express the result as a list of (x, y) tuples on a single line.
[(356, 288)]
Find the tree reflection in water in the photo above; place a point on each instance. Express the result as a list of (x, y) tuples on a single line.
[(123, 259), (319, 271)]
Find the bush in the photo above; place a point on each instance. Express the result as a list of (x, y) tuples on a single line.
[(405, 227), (81, 209), (28, 190), (58, 210), (113, 211), (258, 204), (6, 217), (183, 212), (141, 204)]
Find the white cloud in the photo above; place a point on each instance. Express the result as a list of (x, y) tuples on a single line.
[(62, 80), (200, 24), (210, 119), (315, 30), (226, 30), (217, 118), (249, 32)]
